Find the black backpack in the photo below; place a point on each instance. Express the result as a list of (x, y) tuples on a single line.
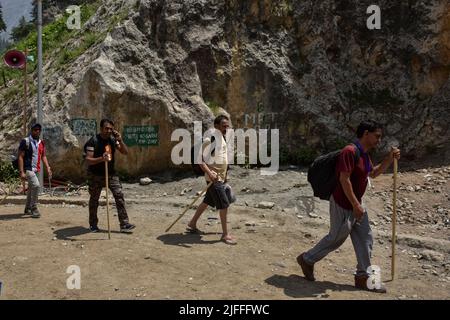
[(195, 166), (15, 157), (322, 174), (85, 146)]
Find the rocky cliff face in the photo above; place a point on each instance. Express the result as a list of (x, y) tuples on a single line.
[(309, 68)]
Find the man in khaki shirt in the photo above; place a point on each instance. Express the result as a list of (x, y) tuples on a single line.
[(215, 170)]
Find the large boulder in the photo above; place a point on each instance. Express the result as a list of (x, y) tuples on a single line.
[(310, 69)]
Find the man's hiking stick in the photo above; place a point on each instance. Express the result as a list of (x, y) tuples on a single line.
[(394, 219), (107, 198), (189, 206)]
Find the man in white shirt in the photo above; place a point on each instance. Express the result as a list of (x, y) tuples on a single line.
[(216, 171)]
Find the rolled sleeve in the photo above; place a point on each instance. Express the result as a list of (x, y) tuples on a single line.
[(346, 161)]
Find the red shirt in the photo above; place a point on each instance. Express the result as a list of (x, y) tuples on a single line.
[(358, 177)]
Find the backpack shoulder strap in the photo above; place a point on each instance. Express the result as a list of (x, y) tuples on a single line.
[(95, 140), (213, 139), (357, 153), (27, 143)]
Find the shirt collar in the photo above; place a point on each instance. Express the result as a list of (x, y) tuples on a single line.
[(365, 156), (33, 139)]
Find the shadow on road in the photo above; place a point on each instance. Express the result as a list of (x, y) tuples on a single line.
[(71, 232), (298, 287), (13, 216), (182, 239)]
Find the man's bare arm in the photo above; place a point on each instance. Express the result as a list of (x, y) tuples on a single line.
[(382, 167), (344, 179), (21, 165), (123, 149), (211, 174), (49, 169), (93, 161)]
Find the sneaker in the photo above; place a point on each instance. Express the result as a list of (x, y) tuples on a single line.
[(308, 269), (94, 229), (35, 213), (27, 211), (126, 228)]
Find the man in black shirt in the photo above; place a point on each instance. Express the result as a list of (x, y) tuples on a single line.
[(99, 149)]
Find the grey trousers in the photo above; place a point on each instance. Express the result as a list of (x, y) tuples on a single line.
[(33, 190), (342, 224)]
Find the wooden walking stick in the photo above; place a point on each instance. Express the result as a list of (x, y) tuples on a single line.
[(394, 219), (108, 150), (50, 185), (189, 206)]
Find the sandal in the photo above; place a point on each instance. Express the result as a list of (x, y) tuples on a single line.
[(228, 241), (193, 230)]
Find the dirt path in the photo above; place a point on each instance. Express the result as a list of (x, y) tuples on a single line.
[(150, 264)]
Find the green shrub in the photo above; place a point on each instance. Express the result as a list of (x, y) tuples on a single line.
[(11, 92), (70, 54), (55, 35), (8, 174), (304, 155), (214, 107), (117, 18), (300, 156)]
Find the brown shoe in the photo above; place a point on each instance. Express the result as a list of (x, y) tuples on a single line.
[(308, 269), (361, 283)]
